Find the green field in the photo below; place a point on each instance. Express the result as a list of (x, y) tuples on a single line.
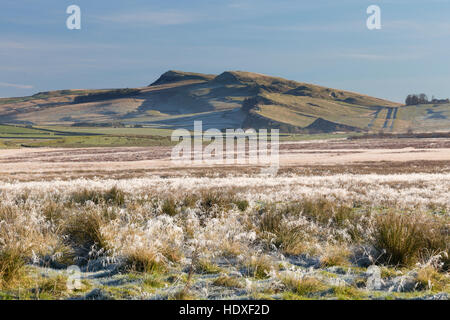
[(73, 137), (82, 137)]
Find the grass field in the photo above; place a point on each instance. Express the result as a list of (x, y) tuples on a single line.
[(14, 136), (242, 237), (73, 137), (343, 219)]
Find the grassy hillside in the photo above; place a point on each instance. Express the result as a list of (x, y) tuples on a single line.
[(233, 99)]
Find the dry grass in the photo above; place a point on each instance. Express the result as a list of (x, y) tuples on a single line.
[(84, 229), (227, 281), (404, 236), (144, 261), (302, 286), (113, 196), (259, 266), (335, 256), (12, 263), (157, 226), (429, 278)]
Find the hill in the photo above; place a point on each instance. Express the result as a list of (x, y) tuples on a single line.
[(233, 99)]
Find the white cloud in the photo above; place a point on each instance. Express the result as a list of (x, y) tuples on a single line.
[(163, 18), (410, 55), (14, 85)]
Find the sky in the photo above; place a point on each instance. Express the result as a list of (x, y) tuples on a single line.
[(130, 43)]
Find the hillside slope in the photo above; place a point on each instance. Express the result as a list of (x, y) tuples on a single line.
[(233, 99)]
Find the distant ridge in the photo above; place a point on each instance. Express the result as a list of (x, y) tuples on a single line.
[(232, 99)]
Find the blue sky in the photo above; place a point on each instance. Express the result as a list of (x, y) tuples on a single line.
[(130, 43)]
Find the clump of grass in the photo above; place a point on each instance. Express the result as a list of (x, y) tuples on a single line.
[(347, 293), (227, 281), (182, 295), (84, 229), (210, 200), (335, 256), (324, 211), (290, 239), (22, 237), (12, 262), (112, 196), (190, 200), (404, 236), (302, 286), (169, 207), (242, 205), (50, 288), (260, 266), (52, 211), (428, 278), (271, 221), (144, 261), (204, 266), (153, 281)]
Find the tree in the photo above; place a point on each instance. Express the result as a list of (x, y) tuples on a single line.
[(423, 99), (412, 100)]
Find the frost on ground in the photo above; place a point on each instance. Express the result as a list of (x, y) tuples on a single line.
[(286, 237)]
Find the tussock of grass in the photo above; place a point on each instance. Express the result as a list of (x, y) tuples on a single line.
[(302, 286), (404, 236), (182, 295), (169, 207), (113, 196), (204, 266), (347, 293), (290, 239), (84, 229), (324, 211), (227, 281), (144, 261), (50, 288), (242, 205), (335, 256), (260, 266), (153, 281), (12, 264), (428, 278)]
